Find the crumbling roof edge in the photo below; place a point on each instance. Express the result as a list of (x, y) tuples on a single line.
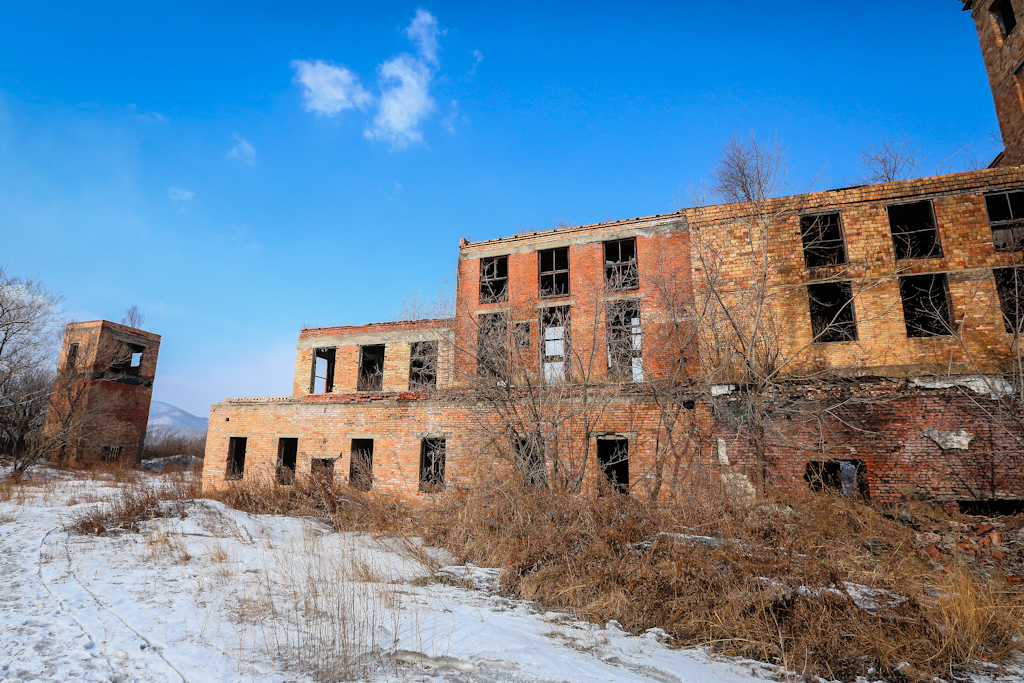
[(442, 322), (152, 336)]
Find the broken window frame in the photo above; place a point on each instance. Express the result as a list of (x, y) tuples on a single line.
[(1010, 289), (235, 470), (918, 243), (824, 240), (621, 274), (832, 322), (555, 343), (433, 456), (553, 282), (1005, 212), (371, 379), (360, 464), (423, 365), (614, 464), (492, 347), (112, 452), (827, 475), (493, 279), (72, 358), (329, 354), (937, 322), (1005, 17), (624, 340), (287, 460)]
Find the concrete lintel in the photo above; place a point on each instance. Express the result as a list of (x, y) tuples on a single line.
[(384, 337), (361, 435)]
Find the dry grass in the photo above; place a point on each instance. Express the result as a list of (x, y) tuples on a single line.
[(135, 501), (162, 444)]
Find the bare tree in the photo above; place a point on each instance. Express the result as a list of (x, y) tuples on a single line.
[(892, 160), (133, 318)]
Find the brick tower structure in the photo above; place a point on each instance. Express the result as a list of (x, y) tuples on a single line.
[(1002, 46), (103, 389)]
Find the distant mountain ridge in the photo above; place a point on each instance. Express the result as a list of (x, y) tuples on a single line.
[(165, 417)]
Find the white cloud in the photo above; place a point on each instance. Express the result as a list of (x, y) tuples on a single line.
[(405, 101), (243, 151), (477, 58), (423, 32), (329, 89), (180, 195)]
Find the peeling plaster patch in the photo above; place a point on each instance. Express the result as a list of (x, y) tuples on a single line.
[(740, 485), (723, 457), (980, 384), (722, 389), (959, 440)]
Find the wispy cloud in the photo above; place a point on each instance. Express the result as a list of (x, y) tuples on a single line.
[(477, 58), (329, 89), (243, 151), (404, 102), (179, 195), (423, 33)]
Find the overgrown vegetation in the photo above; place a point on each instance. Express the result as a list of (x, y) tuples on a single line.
[(137, 500), (165, 443)]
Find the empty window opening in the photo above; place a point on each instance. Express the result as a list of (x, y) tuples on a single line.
[(371, 368), (423, 365), (321, 470), (493, 279), (913, 230), (991, 507), (127, 358), (848, 477), (521, 335), (926, 305), (1002, 11), (432, 456), (824, 244), (112, 453), (831, 306), (323, 370), (554, 272), (620, 265), (136, 361), (236, 458), (72, 359), (625, 354), (1006, 216), (287, 454), (492, 345), (529, 460), (1010, 285), (554, 325), (613, 457), (360, 467)]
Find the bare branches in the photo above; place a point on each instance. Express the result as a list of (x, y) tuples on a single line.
[(751, 171), (133, 318), (891, 161)]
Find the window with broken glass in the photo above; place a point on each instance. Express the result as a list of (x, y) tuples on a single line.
[(72, 359), (492, 345), (493, 279), (371, 368), (323, 371), (554, 325), (423, 365), (432, 462), (620, 265), (1006, 216), (831, 309), (926, 305), (913, 230), (554, 272), (625, 354), (824, 244), (1010, 286)]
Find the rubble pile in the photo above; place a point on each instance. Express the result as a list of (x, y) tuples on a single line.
[(996, 542)]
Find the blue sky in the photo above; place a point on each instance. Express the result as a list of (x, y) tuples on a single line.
[(240, 170)]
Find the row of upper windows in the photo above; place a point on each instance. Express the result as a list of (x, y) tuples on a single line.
[(914, 234), (620, 271)]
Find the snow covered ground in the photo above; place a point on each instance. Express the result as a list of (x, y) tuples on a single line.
[(213, 594)]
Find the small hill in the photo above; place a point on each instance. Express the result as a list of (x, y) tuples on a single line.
[(165, 417)]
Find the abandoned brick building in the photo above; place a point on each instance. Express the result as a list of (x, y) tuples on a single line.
[(102, 393), (864, 339)]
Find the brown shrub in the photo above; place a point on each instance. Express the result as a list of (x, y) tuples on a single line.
[(135, 501), (165, 443)]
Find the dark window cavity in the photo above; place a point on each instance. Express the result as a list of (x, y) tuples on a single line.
[(625, 355), (613, 457), (620, 265), (432, 455), (423, 365), (72, 359), (554, 272), (1010, 285), (492, 345), (112, 453), (1006, 216), (236, 458), (554, 325), (530, 461), (323, 371), (848, 477), (127, 359), (926, 305), (1002, 11), (913, 230), (287, 454), (831, 306), (493, 279), (360, 468), (322, 471), (824, 244), (371, 368)]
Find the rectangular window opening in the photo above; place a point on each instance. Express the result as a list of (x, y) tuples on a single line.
[(554, 272), (127, 358), (926, 305), (323, 370), (423, 365), (492, 346), (620, 265), (848, 477), (322, 471), (831, 308), (1010, 286), (72, 359), (112, 453), (824, 244), (554, 325), (624, 341), (236, 458), (360, 468), (1002, 10), (1006, 216), (913, 230), (371, 368), (287, 454), (613, 457), (493, 279), (529, 463), (432, 457)]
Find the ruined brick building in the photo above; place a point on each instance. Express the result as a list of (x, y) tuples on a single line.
[(864, 338), (104, 385)]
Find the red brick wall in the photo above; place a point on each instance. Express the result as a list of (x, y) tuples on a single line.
[(1003, 56)]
